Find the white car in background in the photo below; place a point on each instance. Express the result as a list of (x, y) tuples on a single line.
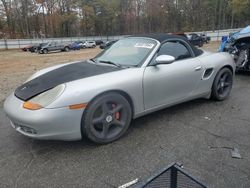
[(89, 44)]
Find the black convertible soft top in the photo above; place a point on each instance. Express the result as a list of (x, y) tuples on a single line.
[(163, 37)]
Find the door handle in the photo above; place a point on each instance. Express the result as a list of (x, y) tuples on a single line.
[(198, 68)]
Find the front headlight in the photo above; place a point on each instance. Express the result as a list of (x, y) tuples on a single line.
[(44, 99)]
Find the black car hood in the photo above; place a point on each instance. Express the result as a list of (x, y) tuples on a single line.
[(59, 76)]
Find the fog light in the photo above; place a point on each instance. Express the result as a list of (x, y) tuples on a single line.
[(28, 130)]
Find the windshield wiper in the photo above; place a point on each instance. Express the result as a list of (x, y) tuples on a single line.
[(110, 63)]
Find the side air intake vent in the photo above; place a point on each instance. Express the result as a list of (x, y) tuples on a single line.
[(208, 73)]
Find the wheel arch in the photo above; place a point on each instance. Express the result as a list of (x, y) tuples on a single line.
[(121, 92), (229, 67)]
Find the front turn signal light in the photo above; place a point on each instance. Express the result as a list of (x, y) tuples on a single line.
[(77, 106), (31, 106)]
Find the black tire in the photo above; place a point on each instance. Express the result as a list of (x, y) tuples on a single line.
[(112, 115), (66, 49), (45, 51), (222, 85), (201, 44)]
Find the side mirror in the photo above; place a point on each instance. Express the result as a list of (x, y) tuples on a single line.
[(164, 59)]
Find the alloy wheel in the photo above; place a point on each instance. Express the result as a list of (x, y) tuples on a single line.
[(224, 84)]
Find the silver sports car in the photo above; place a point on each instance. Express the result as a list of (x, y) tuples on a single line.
[(98, 98)]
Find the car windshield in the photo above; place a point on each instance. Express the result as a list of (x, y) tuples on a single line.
[(127, 52)]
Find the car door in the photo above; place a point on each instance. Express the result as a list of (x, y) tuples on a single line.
[(57, 46), (170, 83), (52, 46)]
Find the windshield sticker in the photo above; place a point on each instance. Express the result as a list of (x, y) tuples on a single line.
[(144, 45)]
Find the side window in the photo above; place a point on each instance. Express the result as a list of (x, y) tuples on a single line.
[(175, 49)]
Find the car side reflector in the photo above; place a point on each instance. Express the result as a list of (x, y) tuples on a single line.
[(32, 106), (77, 106)]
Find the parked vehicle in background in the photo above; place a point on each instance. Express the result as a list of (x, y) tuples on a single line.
[(89, 44), (107, 44), (26, 48), (180, 34), (238, 44), (80, 43), (195, 39), (37, 47), (99, 42), (33, 47), (206, 39), (54, 46), (75, 46)]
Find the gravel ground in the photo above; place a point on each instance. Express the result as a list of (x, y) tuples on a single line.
[(198, 134)]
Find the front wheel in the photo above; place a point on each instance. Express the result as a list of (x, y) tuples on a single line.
[(45, 51), (222, 85), (106, 118), (200, 44), (66, 48)]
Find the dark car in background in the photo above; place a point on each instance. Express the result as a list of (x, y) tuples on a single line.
[(37, 47), (195, 39), (80, 43), (180, 34), (99, 42), (107, 44), (206, 39), (76, 46), (33, 47), (26, 48), (54, 46)]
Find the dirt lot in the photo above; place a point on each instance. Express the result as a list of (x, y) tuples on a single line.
[(16, 66)]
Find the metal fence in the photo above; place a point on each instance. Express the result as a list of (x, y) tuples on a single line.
[(19, 43)]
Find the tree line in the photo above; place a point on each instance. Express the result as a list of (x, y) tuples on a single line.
[(71, 18)]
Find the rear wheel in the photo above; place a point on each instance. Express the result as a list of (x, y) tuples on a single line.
[(107, 118), (222, 85)]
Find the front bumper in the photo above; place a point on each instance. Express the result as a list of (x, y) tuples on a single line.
[(45, 124)]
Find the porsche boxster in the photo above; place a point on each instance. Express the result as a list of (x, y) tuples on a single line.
[(98, 98)]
